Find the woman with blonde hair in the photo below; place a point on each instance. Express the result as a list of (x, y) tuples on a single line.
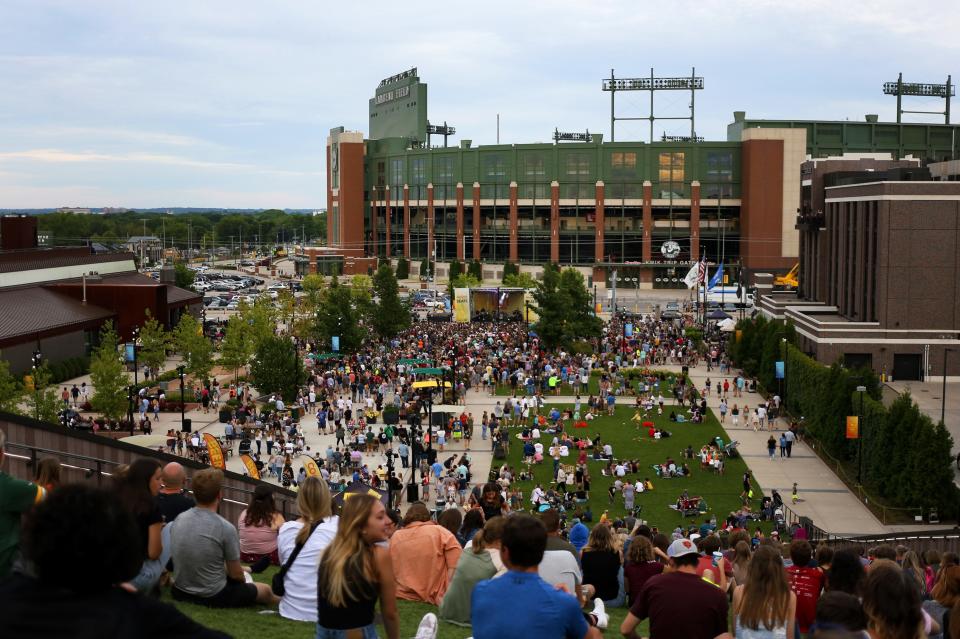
[(48, 473), (740, 564), (355, 572), (311, 533), (602, 564), (912, 568), (764, 607), (481, 561)]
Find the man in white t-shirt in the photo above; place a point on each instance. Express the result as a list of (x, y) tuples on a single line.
[(537, 496)]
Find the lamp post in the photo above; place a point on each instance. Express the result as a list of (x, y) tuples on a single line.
[(783, 395), (180, 371), (136, 335), (943, 392), (861, 390), (37, 362)]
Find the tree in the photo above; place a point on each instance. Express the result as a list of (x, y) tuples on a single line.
[(237, 346), (456, 268), (390, 316), (43, 403), (509, 268), (476, 269), (277, 367), (426, 269), (10, 390), (313, 286), (108, 377), (184, 276), (520, 280), (361, 291), (154, 341), (261, 318), (338, 316), (194, 347), (403, 268), (565, 308)]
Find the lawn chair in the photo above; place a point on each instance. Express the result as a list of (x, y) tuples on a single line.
[(690, 507)]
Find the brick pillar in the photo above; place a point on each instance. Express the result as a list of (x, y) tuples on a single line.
[(430, 254), (387, 209), (514, 224), (647, 221), (598, 222), (373, 224), (695, 221), (476, 220), (555, 222), (461, 247), (406, 221)]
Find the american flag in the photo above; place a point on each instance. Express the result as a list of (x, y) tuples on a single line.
[(702, 273)]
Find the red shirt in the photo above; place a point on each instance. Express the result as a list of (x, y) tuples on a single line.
[(807, 584)]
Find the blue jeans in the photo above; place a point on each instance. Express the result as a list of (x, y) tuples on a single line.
[(368, 632), (621, 598)]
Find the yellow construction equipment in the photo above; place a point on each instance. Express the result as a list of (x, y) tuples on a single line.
[(788, 282)]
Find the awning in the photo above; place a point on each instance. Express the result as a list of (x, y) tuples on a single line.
[(430, 383)]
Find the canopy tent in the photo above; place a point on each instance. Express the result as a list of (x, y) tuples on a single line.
[(728, 325), (430, 383), (428, 371), (411, 361), (717, 315), (359, 488), (326, 356), (448, 408)]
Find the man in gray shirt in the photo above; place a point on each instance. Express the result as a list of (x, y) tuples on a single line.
[(205, 549)]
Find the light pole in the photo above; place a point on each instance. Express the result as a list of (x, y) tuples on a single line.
[(943, 393), (180, 371), (861, 390), (37, 363), (783, 395), (136, 336)]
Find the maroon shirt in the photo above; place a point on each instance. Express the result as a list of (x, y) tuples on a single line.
[(681, 606), (637, 575)]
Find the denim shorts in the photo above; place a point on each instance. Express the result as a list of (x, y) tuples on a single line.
[(366, 632)]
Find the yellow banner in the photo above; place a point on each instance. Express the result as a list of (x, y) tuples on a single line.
[(853, 427), (461, 305), (215, 452), (311, 467), (251, 467), (370, 492)]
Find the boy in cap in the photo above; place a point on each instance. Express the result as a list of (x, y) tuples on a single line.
[(680, 604)]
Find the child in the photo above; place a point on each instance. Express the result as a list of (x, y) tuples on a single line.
[(793, 495)]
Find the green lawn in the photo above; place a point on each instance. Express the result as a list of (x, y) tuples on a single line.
[(251, 623), (593, 386), (721, 492)]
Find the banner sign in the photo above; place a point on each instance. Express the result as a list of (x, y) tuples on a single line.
[(311, 467), (779, 369), (335, 343), (251, 467), (215, 452), (853, 427)]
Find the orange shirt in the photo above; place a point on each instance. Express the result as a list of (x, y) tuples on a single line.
[(424, 556)]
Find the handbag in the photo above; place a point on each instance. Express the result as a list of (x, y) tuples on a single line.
[(276, 585)]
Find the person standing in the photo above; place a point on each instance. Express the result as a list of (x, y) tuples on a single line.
[(17, 497), (764, 607), (771, 446), (789, 436)]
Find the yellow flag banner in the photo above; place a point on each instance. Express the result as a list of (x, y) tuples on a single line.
[(215, 452), (370, 492), (251, 467), (853, 427), (311, 467)]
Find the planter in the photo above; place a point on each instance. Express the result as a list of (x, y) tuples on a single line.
[(391, 417), (225, 415)]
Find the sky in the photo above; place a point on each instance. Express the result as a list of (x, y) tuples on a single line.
[(228, 103)]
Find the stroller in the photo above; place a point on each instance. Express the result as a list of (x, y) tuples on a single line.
[(730, 450), (779, 521)]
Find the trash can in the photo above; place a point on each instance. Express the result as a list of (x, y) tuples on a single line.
[(413, 493), (187, 426)]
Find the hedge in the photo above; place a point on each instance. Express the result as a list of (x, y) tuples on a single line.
[(69, 369), (907, 460)]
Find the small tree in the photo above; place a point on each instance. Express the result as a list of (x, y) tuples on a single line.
[(236, 348), (426, 268), (520, 280), (108, 377), (456, 268), (194, 347), (403, 268), (390, 316), (509, 268), (43, 403), (183, 276), (476, 269), (339, 316), (277, 367), (154, 341), (10, 389)]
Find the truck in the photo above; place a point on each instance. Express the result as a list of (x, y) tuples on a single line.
[(788, 282), (728, 295)]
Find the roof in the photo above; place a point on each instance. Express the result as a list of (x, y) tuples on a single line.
[(37, 261), (24, 311), (176, 294), (142, 238)]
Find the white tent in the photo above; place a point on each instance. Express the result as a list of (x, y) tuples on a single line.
[(727, 325)]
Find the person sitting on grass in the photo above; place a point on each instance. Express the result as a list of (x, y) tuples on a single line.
[(258, 526), (80, 543), (205, 549)]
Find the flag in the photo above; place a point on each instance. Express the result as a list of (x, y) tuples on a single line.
[(215, 452), (251, 466), (717, 278), (692, 277), (702, 275)]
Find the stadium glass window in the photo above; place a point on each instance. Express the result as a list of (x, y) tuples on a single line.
[(623, 160), (671, 167), (396, 173), (578, 165), (533, 167)]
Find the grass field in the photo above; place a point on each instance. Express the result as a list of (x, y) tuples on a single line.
[(593, 385), (721, 492), (252, 622)]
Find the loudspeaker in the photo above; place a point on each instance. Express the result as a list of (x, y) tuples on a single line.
[(187, 426), (413, 493)]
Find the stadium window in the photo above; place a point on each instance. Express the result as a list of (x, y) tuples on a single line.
[(623, 160), (671, 167)]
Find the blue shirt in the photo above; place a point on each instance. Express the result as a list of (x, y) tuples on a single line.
[(537, 609)]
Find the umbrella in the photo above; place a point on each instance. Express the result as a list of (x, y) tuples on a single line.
[(727, 325), (717, 315)]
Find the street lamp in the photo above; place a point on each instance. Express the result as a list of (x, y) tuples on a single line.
[(783, 394), (861, 390), (180, 371), (136, 336), (943, 393), (37, 362)]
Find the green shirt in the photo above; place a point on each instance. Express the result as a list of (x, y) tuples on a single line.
[(471, 570), (16, 497)]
